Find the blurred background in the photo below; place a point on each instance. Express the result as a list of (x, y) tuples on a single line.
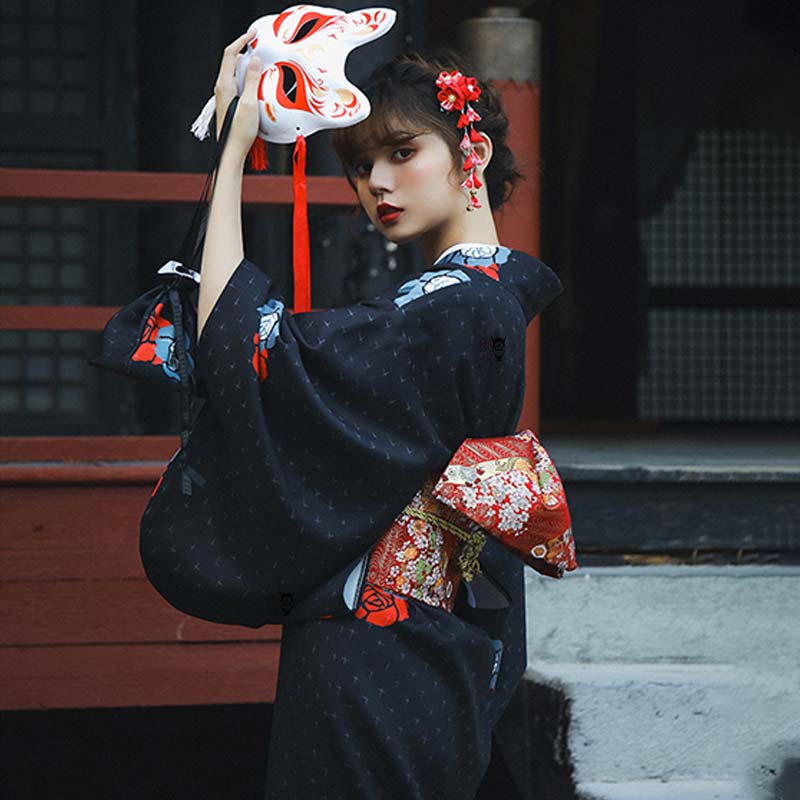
[(669, 204)]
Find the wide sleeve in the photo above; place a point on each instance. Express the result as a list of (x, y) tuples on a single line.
[(319, 421)]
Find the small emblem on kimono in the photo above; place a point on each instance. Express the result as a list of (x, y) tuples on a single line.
[(428, 282), (379, 607), (157, 345), (492, 346), (268, 329), (287, 602)]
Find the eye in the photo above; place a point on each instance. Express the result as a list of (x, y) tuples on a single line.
[(361, 169), (409, 150)]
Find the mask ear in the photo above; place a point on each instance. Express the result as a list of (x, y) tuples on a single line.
[(368, 24)]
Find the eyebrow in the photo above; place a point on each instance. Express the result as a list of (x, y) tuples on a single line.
[(398, 137)]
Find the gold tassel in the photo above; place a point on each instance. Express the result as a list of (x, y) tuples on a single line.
[(472, 542)]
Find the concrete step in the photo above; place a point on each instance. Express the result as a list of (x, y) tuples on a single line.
[(701, 493), (632, 722), (663, 790), (745, 615)]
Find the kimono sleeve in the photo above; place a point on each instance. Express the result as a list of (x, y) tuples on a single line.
[(319, 424)]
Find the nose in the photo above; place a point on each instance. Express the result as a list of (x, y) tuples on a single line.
[(381, 177)]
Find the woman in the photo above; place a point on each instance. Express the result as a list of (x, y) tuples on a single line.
[(336, 422)]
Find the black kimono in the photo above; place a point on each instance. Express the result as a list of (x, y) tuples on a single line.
[(317, 430)]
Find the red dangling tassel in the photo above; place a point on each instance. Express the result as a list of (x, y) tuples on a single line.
[(257, 157), (300, 250)]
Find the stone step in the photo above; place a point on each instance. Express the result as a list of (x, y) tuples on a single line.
[(637, 722), (715, 455), (696, 493), (663, 790), (671, 613)]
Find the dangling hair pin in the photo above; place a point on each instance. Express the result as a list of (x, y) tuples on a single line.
[(456, 92)]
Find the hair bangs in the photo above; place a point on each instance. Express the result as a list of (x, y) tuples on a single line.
[(388, 123)]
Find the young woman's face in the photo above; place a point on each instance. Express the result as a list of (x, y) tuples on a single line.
[(416, 176)]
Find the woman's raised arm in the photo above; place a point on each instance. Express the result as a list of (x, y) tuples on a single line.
[(223, 249)]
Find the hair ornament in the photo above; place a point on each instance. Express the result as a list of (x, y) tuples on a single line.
[(456, 91)]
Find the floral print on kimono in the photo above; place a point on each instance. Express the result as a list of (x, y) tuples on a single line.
[(484, 258), (157, 344), (268, 329)]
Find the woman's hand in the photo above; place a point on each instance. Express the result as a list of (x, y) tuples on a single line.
[(245, 120)]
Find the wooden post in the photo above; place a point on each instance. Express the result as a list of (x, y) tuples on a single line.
[(518, 220), (506, 50)]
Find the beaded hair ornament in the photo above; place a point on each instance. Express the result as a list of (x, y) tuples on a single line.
[(455, 93)]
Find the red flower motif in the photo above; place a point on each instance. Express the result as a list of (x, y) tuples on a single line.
[(260, 360), (472, 182), (379, 607), (456, 90), (492, 270), (471, 89), (146, 349), (470, 115), (466, 87), (451, 99)]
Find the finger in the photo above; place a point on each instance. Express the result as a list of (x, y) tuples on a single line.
[(251, 79), (230, 53), (240, 41)]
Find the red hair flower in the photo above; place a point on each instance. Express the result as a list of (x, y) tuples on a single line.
[(456, 92)]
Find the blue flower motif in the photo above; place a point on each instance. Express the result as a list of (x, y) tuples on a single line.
[(268, 329), (483, 255), (269, 324), (428, 282), (165, 350)]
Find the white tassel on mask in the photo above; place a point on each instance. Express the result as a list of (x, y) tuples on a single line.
[(201, 126)]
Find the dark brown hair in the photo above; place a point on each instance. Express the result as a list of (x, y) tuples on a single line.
[(402, 95)]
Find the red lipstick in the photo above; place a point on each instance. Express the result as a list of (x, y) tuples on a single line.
[(388, 213)]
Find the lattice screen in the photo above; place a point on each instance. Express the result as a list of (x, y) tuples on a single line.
[(55, 114), (734, 221)]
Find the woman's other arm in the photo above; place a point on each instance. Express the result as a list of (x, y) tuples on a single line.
[(223, 249)]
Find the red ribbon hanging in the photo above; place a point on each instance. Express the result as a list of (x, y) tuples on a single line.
[(301, 255)]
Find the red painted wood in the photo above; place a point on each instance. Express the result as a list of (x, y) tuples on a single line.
[(65, 533), (68, 555), (137, 675), (77, 474), (81, 626), (55, 318), (87, 448), (160, 187), (518, 220), (105, 612)]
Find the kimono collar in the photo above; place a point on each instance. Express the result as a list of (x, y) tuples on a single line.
[(461, 246), (533, 283)]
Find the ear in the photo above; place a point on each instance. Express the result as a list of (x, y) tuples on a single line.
[(483, 150)]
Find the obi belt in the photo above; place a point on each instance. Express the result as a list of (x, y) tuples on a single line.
[(506, 487)]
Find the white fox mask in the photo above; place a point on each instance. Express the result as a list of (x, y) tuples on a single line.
[(303, 87)]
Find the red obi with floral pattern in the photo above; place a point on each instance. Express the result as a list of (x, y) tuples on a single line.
[(415, 556), (506, 487)]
